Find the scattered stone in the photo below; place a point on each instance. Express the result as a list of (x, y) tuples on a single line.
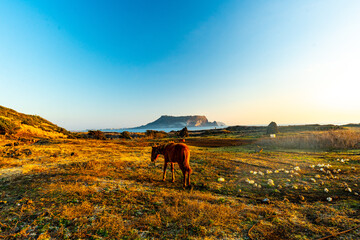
[(250, 181), (221, 179), (270, 182)]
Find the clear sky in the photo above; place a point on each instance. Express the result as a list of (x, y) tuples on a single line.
[(109, 64)]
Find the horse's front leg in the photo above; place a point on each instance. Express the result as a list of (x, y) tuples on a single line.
[(172, 171), (165, 165)]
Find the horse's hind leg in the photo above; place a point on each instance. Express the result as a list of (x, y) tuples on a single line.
[(164, 175), (172, 171), (188, 178)]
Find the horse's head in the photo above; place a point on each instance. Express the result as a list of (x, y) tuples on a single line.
[(155, 153)]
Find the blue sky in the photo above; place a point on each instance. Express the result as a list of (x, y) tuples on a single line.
[(108, 64)]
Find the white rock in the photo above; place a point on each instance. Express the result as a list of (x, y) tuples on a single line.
[(326, 190), (313, 180), (348, 189), (297, 168), (329, 199), (270, 182)]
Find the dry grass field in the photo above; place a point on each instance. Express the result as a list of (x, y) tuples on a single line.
[(108, 189)]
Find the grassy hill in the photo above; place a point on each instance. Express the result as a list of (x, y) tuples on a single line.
[(15, 124)]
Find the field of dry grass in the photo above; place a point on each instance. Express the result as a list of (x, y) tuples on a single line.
[(94, 189)]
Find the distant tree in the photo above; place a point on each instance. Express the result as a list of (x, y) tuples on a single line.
[(272, 128), (126, 135), (184, 132), (96, 135)]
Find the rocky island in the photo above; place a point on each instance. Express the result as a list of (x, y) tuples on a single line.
[(180, 122)]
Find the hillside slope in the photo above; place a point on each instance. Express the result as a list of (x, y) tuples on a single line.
[(15, 124)]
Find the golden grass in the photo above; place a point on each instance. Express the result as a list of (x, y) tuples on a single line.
[(326, 140), (27, 131), (109, 190)]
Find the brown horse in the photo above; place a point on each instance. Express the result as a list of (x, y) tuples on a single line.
[(174, 153)]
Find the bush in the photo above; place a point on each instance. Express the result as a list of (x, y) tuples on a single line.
[(184, 132), (7, 127), (96, 135), (155, 134), (272, 128), (125, 134)]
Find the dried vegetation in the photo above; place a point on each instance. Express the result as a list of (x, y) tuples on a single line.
[(107, 189)]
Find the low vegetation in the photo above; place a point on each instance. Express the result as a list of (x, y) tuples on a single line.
[(319, 140), (108, 189)]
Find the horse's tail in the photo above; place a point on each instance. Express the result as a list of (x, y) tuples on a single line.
[(186, 161)]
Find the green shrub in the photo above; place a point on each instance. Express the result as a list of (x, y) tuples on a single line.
[(272, 128), (184, 132)]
